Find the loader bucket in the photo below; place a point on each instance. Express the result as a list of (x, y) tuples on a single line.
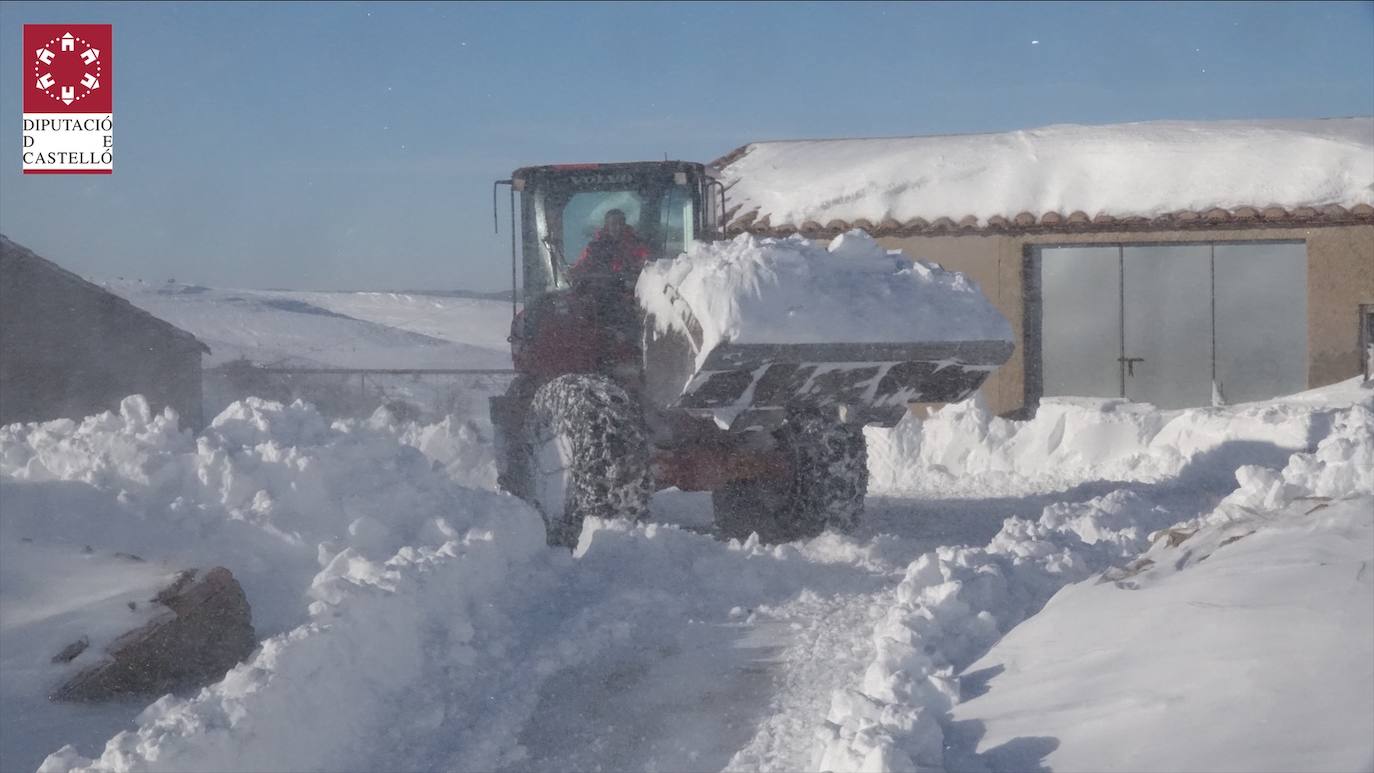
[(748, 385)]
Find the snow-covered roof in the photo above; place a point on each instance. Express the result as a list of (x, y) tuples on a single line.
[(1178, 173), (21, 263)]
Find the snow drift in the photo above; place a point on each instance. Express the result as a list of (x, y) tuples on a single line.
[(964, 448), (956, 602), (273, 490), (1249, 605), (305, 513)]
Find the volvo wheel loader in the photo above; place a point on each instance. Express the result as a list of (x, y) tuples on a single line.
[(607, 408)]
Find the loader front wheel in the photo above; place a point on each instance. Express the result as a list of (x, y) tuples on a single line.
[(588, 455), (825, 488)]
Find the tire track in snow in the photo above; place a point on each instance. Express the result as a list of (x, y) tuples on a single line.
[(833, 653)]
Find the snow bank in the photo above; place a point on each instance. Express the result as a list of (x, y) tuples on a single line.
[(951, 606), (463, 447), (322, 695), (784, 291), (353, 547), (955, 602), (1135, 169), (270, 490), (1342, 466), (963, 447), (1248, 606)]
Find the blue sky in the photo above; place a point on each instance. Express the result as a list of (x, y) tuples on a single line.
[(353, 145)]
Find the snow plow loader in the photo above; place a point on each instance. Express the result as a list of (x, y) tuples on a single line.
[(635, 374)]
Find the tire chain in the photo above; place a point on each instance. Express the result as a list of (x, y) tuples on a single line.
[(610, 448), (829, 462)]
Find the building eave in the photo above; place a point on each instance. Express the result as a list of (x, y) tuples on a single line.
[(1027, 223)]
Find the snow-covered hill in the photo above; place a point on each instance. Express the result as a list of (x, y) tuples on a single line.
[(332, 329), (1104, 587)]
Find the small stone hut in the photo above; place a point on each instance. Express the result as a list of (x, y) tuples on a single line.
[(70, 348)]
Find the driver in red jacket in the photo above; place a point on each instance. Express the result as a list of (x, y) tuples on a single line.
[(616, 249)]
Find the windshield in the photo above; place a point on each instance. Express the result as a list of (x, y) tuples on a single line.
[(585, 215), (563, 223)]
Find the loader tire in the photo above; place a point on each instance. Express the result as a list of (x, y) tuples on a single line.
[(588, 455), (508, 419), (826, 488)]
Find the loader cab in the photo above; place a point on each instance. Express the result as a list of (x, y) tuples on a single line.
[(667, 204)]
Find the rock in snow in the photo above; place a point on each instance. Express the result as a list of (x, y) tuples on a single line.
[(204, 630)]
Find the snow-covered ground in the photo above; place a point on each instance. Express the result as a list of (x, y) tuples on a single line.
[(1104, 587), (331, 329), (343, 330)]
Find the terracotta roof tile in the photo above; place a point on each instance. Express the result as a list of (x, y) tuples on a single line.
[(1077, 221), (1194, 158)]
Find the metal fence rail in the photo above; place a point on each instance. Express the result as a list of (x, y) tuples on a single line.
[(334, 390), (392, 371), (363, 373)]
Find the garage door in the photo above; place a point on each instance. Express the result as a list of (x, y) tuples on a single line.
[(1166, 324)]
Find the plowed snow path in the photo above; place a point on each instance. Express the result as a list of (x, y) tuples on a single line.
[(678, 652), (646, 706)]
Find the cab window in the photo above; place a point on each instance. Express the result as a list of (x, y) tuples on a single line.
[(675, 224), (585, 212)]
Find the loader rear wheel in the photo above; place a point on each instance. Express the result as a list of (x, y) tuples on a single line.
[(588, 455), (826, 487)]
